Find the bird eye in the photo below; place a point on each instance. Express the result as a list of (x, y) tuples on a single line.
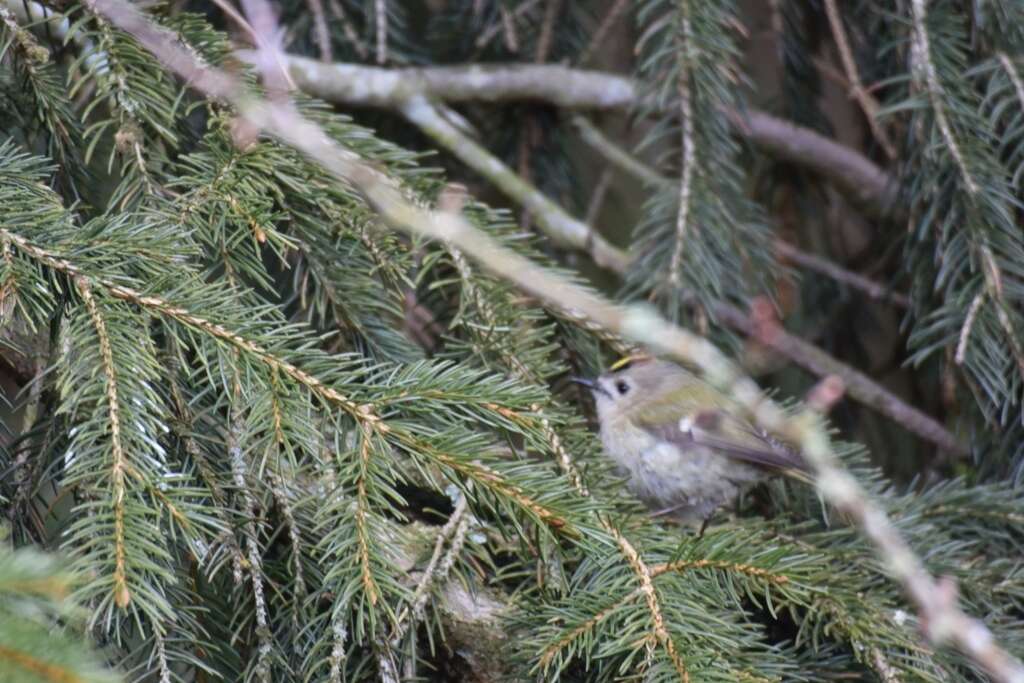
[(622, 387)]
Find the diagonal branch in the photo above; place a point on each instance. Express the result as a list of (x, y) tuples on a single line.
[(568, 231), (548, 215)]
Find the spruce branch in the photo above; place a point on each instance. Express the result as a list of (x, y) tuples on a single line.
[(925, 70), (119, 464), (688, 144), (253, 555), (1013, 75), (364, 414)]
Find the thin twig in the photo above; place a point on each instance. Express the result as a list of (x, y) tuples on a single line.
[(840, 274), (937, 605), (867, 103), (381, 11), (488, 35), (229, 10), (597, 196), (619, 157), (610, 17), (688, 143), (547, 30), (348, 29), (924, 66), (508, 30), (320, 31), (968, 326)]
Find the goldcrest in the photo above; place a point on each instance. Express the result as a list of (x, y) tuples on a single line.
[(679, 439)]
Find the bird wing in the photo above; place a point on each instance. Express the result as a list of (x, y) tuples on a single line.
[(717, 430)]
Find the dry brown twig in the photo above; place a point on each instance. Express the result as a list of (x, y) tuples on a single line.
[(938, 607), (866, 101)]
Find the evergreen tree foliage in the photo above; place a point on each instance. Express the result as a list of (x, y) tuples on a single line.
[(251, 434)]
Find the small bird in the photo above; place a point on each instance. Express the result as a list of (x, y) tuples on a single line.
[(680, 441)]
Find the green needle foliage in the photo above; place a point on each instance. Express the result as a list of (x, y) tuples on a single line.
[(273, 440)]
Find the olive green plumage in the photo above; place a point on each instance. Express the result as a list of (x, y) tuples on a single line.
[(680, 441)]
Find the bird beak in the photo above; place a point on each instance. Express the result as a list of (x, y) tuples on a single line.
[(589, 384)]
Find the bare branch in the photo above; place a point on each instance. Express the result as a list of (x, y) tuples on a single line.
[(619, 157), (549, 216), (857, 177), (866, 101), (840, 274), (858, 385), (602, 31)]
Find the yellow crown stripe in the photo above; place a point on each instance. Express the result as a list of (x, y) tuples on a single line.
[(624, 362)]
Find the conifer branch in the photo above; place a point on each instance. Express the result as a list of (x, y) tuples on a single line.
[(362, 512), (994, 286), (119, 464), (644, 575), (688, 144), (363, 414), (1013, 74), (925, 69), (453, 533), (253, 556), (678, 566)]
